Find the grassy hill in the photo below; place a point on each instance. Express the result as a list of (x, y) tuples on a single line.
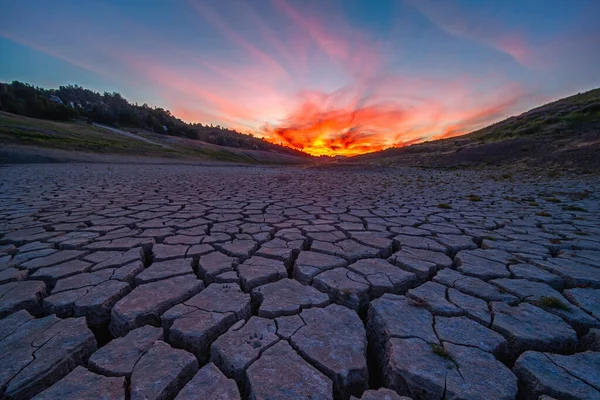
[(22, 138), (564, 134), (72, 102)]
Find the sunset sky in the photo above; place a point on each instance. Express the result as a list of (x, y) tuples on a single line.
[(326, 76)]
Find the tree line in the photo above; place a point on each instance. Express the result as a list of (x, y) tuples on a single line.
[(73, 101)]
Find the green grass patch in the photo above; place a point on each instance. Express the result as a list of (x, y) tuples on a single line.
[(79, 136), (552, 302), (554, 174), (582, 117), (440, 351), (444, 206), (473, 197), (574, 208), (579, 195), (73, 136)]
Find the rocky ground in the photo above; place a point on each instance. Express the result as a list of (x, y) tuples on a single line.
[(177, 281)]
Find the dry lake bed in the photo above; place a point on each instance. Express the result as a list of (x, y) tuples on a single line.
[(205, 282)]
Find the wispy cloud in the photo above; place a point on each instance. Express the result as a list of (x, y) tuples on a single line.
[(473, 26), (54, 53), (257, 54)]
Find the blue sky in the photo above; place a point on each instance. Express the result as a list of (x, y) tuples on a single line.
[(335, 76)]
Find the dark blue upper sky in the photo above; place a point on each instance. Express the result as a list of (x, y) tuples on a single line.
[(308, 72)]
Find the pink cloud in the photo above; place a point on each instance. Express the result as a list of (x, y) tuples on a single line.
[(448, 17), (213, 18), (347, 47)]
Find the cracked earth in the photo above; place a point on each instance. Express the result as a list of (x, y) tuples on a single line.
[(185, 282)]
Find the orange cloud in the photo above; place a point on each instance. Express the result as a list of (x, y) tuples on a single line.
[(340, 124), (320, 130)]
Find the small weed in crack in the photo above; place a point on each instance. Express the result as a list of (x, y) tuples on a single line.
[(441, 351), (552, 302)]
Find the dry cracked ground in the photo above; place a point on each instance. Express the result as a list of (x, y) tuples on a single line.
[(188, 282)]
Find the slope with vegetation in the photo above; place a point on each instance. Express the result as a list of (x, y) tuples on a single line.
[(72, 102), (564, 134), (24, 139)]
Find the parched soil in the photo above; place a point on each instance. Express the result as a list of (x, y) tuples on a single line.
[(163, 281)]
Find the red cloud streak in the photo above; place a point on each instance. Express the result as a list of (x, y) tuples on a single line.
[(324, 125)]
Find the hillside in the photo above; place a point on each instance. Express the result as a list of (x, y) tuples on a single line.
[(24, 139), (72, 102), (564, 133)]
